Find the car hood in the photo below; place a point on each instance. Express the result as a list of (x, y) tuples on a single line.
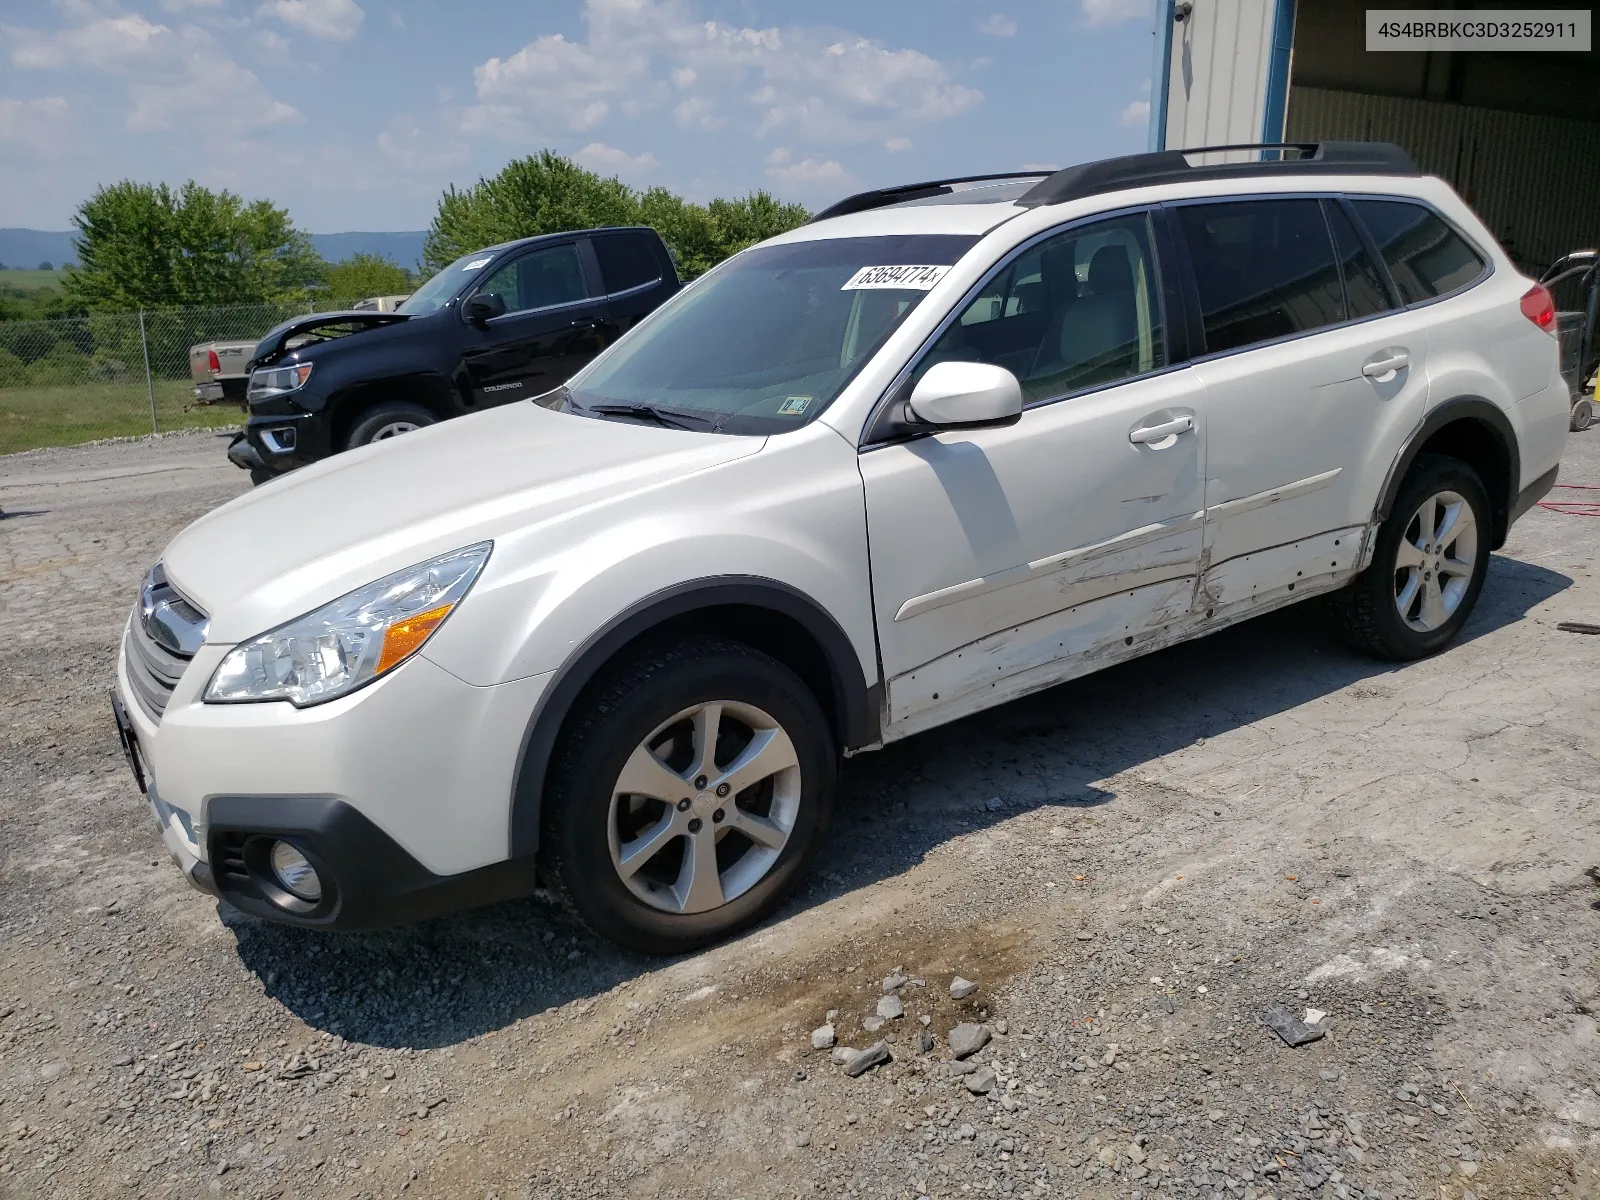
[(299, 541), (356, 320)]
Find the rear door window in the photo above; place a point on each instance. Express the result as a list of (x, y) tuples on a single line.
[(627, 260), (1425, 256), (1265, 269), (1364, 293)]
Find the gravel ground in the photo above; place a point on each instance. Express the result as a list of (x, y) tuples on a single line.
[(1133, 868)]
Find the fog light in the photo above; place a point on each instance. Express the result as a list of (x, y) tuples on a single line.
[(295, 872)]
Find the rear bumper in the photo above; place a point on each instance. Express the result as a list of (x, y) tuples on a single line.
[(1533, 493)]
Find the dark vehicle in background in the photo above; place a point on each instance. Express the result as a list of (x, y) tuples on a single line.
[(506, 323)]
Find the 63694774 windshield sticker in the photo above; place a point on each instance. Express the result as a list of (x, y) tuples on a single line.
[(918, 279)]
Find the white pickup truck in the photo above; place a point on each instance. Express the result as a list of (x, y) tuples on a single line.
[(221, 370)]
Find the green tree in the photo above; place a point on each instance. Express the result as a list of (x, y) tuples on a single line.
[(363, 275), (44, 266), (547, 193), (146, 245)]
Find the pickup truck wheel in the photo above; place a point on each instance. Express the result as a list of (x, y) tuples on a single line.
[(689, 792), (1428, 566), (387, 420)]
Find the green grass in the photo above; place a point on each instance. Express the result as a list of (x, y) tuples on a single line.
[(29, 280), (31, 417)]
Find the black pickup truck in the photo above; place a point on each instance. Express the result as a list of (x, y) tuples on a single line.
[(505, 323)]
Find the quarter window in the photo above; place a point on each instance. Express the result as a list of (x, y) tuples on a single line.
[(1426, 257), (553, 275), (1081, 309), (1364, 292), (1264, 269)]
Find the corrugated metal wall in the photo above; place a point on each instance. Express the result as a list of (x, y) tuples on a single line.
[(1217, 90), (1535, 181)]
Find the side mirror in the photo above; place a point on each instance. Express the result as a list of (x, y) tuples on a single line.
[(966, 395), (484, 306)]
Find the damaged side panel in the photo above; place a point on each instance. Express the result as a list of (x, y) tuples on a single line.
[(1036, 655)]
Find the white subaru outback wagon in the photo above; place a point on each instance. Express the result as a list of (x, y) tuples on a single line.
[(943, 446)]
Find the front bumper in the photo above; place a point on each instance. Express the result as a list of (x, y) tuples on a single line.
[(399, 793), (279, 441)]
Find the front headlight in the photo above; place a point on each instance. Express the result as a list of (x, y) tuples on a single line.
[(276, 381), (350, 642)]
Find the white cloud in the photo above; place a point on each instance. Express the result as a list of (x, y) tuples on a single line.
[(636, 54), (998, 25), (177, 6), (413, 147), (598, 156), (1109, 12), (808, 171), (176, 78), (333, 20), (37, 126), (1136, 113), (897, 145)]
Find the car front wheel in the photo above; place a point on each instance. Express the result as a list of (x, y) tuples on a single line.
[(1428, 565), (691, 788), (384, 421)]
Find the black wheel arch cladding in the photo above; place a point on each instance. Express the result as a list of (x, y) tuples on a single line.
[(852, 701), (1469, 428)]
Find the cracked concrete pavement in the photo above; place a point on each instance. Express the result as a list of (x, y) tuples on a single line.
[(1149, 856)]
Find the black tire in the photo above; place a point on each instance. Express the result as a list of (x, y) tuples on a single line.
[(1582, 415), (372, 424), (615, 715), (1367, 612)]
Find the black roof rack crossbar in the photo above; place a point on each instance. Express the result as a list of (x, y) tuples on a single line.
[(1172, 166), (882, 197)]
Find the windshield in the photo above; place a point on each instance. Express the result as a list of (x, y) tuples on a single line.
[(765, 342), (436, 293)]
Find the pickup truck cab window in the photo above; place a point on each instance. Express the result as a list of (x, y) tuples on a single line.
[(540, 279)]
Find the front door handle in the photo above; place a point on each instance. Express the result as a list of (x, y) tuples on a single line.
[(1386, 362), (1145, 434)]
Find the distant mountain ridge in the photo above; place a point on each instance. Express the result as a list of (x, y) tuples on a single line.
[(30, 247)]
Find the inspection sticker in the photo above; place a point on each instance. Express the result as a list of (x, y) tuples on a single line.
[(793, 406), (918, 279)]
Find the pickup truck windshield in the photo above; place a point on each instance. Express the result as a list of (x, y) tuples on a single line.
[(436, 293), (766, 341)]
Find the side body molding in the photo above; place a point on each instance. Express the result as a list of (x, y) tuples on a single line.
[(1484, 414), (856, 701)]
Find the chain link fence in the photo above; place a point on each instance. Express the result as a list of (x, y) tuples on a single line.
[(79, 379)]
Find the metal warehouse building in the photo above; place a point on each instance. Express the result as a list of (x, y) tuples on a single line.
[(1517, 134)]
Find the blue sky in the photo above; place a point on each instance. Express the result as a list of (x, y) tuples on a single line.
[(356, 114)]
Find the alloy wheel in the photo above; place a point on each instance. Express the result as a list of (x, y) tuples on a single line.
[(704, 806), (394, 429), (1435, 560)]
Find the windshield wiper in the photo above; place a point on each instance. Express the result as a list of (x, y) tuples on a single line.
[(665, 417)]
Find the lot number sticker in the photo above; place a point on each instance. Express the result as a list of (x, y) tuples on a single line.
[(918, 279)]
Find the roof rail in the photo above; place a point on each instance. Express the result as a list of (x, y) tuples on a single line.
[(1172, 166), (882, 197)]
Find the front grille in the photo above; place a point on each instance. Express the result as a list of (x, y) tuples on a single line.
[(163, 635)]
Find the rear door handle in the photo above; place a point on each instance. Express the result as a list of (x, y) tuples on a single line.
[(1386, 362), (1145, 434)]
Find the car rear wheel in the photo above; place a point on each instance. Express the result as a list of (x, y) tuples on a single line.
[(1427, 568), (384, 421), (690, 790)]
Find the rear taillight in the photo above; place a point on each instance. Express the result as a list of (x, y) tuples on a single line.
[(215, 363), (1540, 308)]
